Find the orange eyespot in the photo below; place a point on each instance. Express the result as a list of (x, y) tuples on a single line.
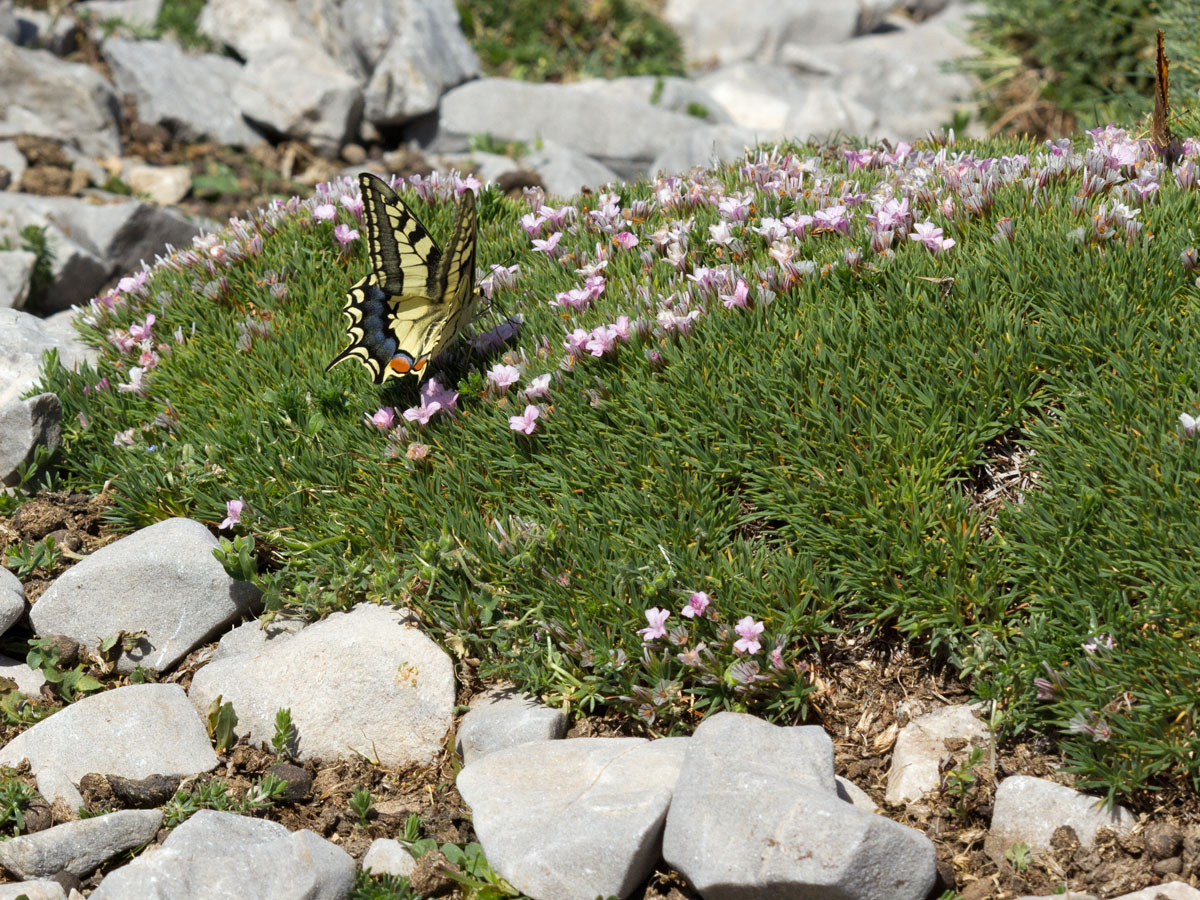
[(399, 364)]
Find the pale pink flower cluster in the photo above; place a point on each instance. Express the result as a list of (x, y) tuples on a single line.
[(434, 400)]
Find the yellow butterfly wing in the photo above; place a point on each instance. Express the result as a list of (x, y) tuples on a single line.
[(416, 299)]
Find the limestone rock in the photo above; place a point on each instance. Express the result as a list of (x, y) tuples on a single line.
[(135, 731), (162, 580), (588, 825), (503, 718), (79, 847), (41, 94), (756, 813), (1028, 810), (921, 747), (363, 680), (190, 94), (223, 856)]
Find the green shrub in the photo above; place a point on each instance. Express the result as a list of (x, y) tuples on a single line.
[(803, 463), (562, 40)]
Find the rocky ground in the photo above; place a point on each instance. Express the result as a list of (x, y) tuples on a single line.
[(869, 689)]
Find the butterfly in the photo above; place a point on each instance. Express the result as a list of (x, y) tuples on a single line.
[(1168, 147), (417, 298)]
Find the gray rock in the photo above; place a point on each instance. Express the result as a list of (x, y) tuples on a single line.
[(756, 813), (1175, 890), (427, 55), (503, 717), (718, 33), (589, 823), (163, 185), (1028, 810), (900, 76), (58, 789), (774, 102), (850, 792), (72, 351), (223, 856), (364, 681), (41, 94), (16, 269), (255, 28), (388, 857), (706, 146), (12, 160), (12, 600), (38, 29), (921, 748), (140, 13), (162, 580), (588, 118), (33, 890), (92, 241), (565, 172), (26, 425), (9, 30), (134, 731), (1069, 895), (29, 681), (191, 94), (23, 340), (79, 847), (681, 95), (303, 94)]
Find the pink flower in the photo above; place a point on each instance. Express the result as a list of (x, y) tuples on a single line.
[(777, 659), (326, 212), (526, 423), (233, 513), (621, 328), (749, 632), (739, 298), (538, 387), (354, 203), (548, 246), (657, 628), (503, 377), (532, 223), (576, 341), (417, 452), (344, 235), (123, 438), (603, 339), (627, 240), (133, 283), (383, 418), (143, 332), (697, 604), (931, 236)]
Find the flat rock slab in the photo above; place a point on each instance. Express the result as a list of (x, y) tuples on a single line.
[(575, 819), (1028, 810), (133, 731), (12, 599), (79, 847), (33, 890), (386, 856), (162, 580), (503, 718), (223, 856), (921, 747), (756, 813), (361, 681)]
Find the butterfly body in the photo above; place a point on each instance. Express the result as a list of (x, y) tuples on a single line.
[(417, 298)]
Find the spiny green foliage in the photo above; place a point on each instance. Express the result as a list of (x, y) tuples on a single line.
[(1098, 55), (260, 796), (562, 40), (179, 18), (802, 462), (15, 797)]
